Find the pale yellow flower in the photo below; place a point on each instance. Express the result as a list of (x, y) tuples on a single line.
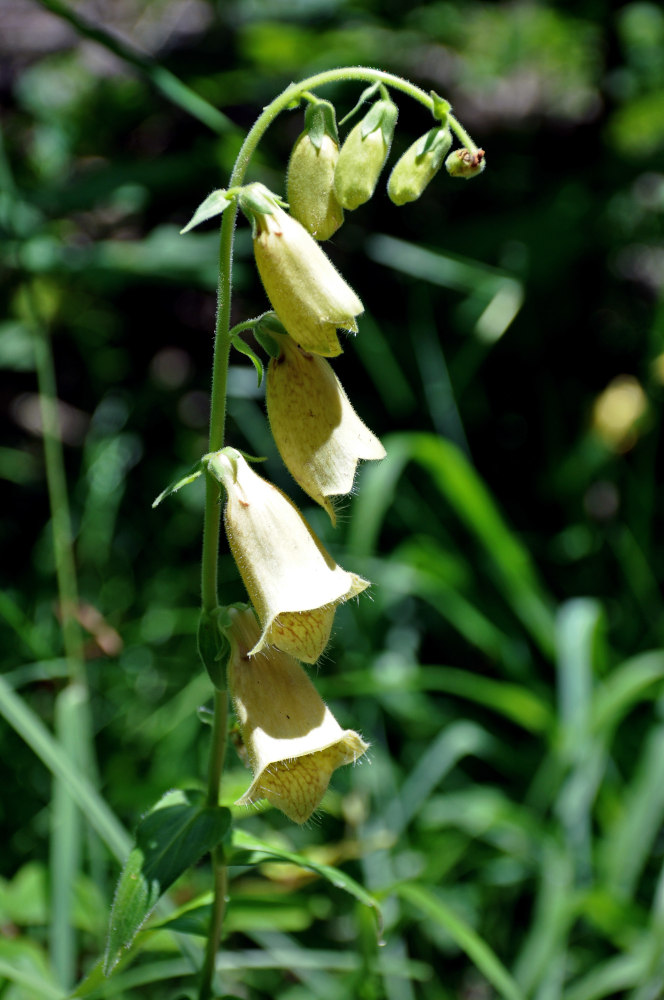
[(318, 434), (292, 740), (308, 294), (293, 583)]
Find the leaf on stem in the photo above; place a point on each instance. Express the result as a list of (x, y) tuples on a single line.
[(243, 347), (174, 835), (248, 850), (195, 471), (214, 204)]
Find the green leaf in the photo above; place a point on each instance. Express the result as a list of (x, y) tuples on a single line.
[(248, 850), (214, 204), (364, 96), (477, 950), (171, 838), (195, 471), (243, 347)]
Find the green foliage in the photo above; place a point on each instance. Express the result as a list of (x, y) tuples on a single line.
[(171, 838)]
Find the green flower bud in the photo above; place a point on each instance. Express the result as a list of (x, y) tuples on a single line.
[(310, 185), (418, 165), (363, 154), (463, 163)]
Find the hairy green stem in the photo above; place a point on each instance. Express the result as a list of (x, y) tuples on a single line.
[(222, 343)]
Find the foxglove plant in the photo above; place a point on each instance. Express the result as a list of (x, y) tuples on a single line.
[(290, 739)]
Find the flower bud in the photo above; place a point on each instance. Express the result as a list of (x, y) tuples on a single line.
[(291, 738), (363, 154), (308, 294), (318, 434), (463, 163), (418, 165), (310, 184), (293, 583)]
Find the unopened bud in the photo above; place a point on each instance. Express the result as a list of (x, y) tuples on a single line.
[(310, 179), (418, 165), (363, 154), (463, 163)]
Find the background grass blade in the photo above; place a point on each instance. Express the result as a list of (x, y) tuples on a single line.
[(468, 940)]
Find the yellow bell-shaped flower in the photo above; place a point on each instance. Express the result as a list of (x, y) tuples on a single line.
[(293, 583), (318, 434), (307, 292), (292, 740)]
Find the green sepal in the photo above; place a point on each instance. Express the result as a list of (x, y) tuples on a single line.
[(382, 115), (212, 465), (214, 204), (213, 646), (266, 330), (258, 199), (172, 837), (195, 471), (320, 119), (366, 95), (243, 347), (437, 142), (441, 108)]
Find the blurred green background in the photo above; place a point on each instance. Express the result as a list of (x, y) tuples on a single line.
[(507, 668)]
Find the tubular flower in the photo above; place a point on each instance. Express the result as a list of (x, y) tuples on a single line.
[(293, 583), (292, 740), (307, 292), (318, 434)]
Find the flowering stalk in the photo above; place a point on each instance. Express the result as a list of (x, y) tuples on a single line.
[(222, 344)]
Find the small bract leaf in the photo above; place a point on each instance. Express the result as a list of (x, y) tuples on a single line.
[(173, 836), (364, 96), (441, 107), (195, 471), (214, 204), (243, 347)]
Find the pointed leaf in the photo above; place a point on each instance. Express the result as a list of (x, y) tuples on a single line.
[(195, 471), (248, 850), (364, 96), (173, 836), (243, 347), (214, 204)]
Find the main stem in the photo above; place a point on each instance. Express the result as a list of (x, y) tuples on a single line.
[(222, 345)]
